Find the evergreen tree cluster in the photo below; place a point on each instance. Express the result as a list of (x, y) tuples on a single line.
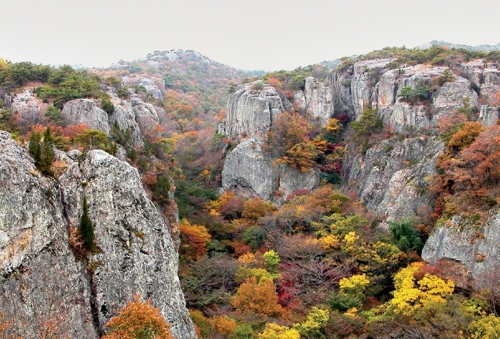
[(40, 148)]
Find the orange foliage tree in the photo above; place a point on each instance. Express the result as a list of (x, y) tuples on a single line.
[(468, 179), (256, 208), (138, 320), (194, 240), (289, 130), (259, 298)]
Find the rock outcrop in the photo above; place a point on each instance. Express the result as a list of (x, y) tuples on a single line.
[(473, 248), (315, 100), (150, 85), (251, 111), (484, 77), (392, 177), (249, 172), (43, 279), (28, 108), (133, 114), (372, 83), (85, 111), (389, 177)]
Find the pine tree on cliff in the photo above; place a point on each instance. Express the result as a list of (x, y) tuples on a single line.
[(34, 146), (86, 227), (47, 153)]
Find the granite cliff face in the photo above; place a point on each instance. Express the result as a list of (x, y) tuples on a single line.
[(251, 112), (247, 169), (43, 279), (249, 172), (392, 176), (373, 83), (315, 100), (473, 250), (389, 177)]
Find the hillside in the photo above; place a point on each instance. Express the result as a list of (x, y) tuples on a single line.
[(356, 202)]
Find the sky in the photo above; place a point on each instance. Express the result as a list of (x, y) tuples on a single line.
[(245, 34)]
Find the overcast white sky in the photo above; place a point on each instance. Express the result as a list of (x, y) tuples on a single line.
[(245, 34)]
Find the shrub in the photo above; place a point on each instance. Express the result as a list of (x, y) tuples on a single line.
[(54, 114), (254, 237), (161, 189), (368, 123), (406, 236), (258, 86), (107, 105)]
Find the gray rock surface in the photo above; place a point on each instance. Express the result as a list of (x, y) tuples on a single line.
[(250, 112), (488, 115), (85, 111), (371, 83), (28, 108), (474, 247), (40, 274), (249, 172), (483, 75), (150, 85), (318, 100), (138, 117), (391, 178)]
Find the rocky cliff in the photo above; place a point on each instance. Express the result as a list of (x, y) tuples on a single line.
[(249, 172), (392, 174), (471, 248), (389, 177), (45, 281), (251, 111)]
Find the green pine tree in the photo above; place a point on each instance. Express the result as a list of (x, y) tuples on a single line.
[(86, 227), (34, 147)]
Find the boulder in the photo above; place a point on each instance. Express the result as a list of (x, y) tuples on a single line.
[(85, 111), (250, 112)]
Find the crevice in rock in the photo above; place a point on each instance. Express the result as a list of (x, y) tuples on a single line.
[(94, 307), (65, 209), (89, 272)]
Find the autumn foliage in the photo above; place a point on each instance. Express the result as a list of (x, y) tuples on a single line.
[(259, 298), (138, 320), (194, 240), (468, 179)]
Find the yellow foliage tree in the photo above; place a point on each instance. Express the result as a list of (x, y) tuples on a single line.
[(354, 285), (275, 331), (333, 126), (485, 328), (330, 242), (411, 295), (214, 206), (311, 327)]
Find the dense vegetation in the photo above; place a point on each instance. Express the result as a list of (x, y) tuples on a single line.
[(317, 266)]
